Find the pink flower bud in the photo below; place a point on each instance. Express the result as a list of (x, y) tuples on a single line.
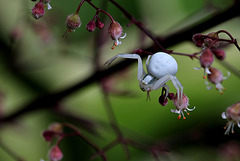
[(206, 59), (99, 24), (219, 53), (198, 40), (56, 127), (38, 10), (55, 153), (91, 26), (171, 96), (209, 41), (115, 31), (232, 114), (49, 135), (163, 100), (73, 22)]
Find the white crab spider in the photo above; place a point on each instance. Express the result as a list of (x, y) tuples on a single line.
[(161, 67)]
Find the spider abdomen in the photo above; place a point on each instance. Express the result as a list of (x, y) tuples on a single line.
[(162, 64)]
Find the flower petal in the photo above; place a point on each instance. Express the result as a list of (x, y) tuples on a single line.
[(197, 68), (224, 115), (208, 71), (191, 109), (49, 6)]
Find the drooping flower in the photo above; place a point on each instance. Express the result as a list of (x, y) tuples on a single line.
[(181, 106), (206, 59), (91, 26), (55, 153), (53, 131), (212, 42), (116, 32), (198, 40), (232, 115), (38, 10), (216, 77), (219, 54), (73, 22)]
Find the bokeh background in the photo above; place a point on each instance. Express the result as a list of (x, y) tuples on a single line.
[(44, 62)]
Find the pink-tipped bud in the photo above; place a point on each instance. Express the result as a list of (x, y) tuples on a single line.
[(56, 127), (38, 10), (219, 53), (91, 26), (73, 22), (49, 135), (206, 59), (216, 76), (209, 41), (163, 100), (55, 154), (115, 30), (171, 96), (198, 40), (99, 24)]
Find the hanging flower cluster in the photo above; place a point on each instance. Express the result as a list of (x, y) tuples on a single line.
[(54, 131), (115, 30), (211, 45)]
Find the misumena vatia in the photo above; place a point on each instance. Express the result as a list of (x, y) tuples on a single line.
[(161, 67)]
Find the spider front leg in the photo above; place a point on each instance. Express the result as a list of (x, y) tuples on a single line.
[(141, 71), (176, 84), (161, 83)]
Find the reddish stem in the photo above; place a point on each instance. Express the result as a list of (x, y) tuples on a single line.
[(99, 10), (79, 6)]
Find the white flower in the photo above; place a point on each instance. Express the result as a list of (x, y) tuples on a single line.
[(181, 106), (232, 114), (216, 77)]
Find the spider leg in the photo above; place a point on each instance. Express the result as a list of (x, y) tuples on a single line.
[(178, 86), (167, 90), (147, 61), (141, 71), (161, 83)]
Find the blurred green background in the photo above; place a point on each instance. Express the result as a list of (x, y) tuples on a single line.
[(46, 63)]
